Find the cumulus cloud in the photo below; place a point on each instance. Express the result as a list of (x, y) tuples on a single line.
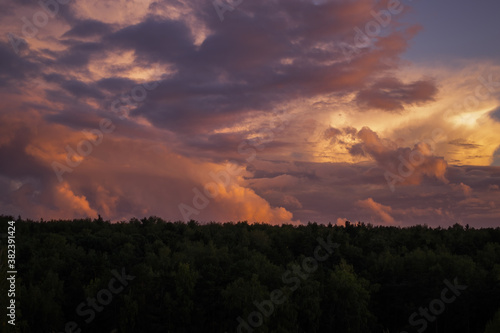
[(67, 200), (406, 166), (465, 189), (381, 212)]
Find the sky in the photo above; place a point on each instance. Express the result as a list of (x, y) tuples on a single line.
[(281, 111)]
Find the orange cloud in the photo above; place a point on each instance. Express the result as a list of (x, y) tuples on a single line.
[(382, 211), (71, 203)]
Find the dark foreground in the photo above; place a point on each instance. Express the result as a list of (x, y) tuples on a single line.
[(154, 276)]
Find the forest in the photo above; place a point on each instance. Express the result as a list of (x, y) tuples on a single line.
[(151, 275)]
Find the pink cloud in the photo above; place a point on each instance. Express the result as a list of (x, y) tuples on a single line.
[(381, 211), (404, 166)]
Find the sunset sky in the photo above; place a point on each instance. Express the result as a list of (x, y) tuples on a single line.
[(281, 111)]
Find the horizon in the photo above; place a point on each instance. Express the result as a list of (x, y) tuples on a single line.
[(158, 220)]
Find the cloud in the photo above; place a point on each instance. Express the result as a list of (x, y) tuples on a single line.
[(381, 211), (464, 144), (116, 84), (239, 203), (465, 189), (406, 166), (291, 201), (68, 201), (78, 55), (496, 157), (495, 114), (340, 136), (120, 178), (390, 94), (223, 81), (88, 28), (256, 60), (13, 68), (276, 183), (81, 89), (155, 39)]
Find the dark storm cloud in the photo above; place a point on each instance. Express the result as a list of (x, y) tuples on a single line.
[(230, 146), (185, 105), (337, 136), (88, 28), (155, 40), (391, 94), (81, 89), (18, 163), (256, 59), (217, 143), (78, 54), (23, 177), (477, 177), (496, 157), (77, 118), (14, 69), (495, 114), (116, 84)]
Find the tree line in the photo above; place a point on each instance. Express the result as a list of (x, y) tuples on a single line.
[(150, 275)]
